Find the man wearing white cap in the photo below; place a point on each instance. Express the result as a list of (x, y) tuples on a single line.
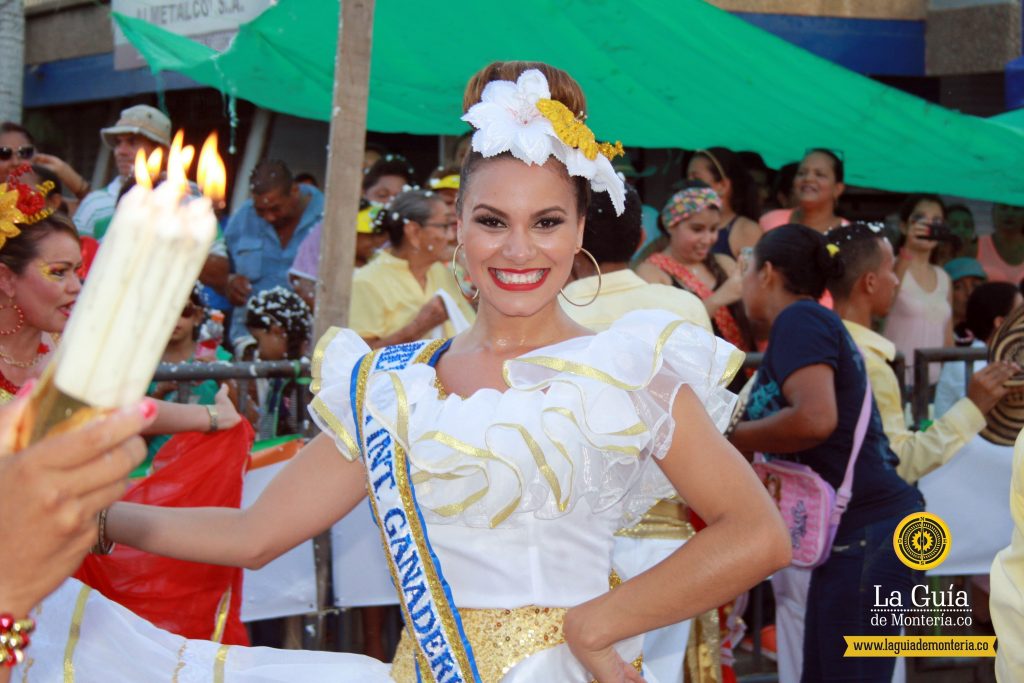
[(140, 127)]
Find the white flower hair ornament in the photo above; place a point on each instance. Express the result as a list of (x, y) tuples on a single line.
[(521, 118)]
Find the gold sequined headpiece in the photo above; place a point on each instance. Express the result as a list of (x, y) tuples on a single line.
[(21, 205)]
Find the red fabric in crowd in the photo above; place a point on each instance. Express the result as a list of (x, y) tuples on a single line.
[(89, 248), (191, 470)]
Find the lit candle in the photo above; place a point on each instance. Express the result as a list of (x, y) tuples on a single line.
[(137, 287)]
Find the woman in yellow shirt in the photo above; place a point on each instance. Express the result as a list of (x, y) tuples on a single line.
[(395, 297)]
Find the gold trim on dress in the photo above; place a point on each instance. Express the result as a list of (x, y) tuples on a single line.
[(75, 633), (461, 446), (574, 368), (181, 660), (542, 463), (221, 620), (667, 519), (429, 350), (219, 663), (703, 662), (500, 638), (556, 364), (336, 426), (319, 353)]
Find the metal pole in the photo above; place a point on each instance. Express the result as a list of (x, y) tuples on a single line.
[(920, 405), (337, 244), (255, 144)]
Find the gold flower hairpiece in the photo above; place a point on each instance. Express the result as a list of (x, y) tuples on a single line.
[(575, 133), (10, 214)]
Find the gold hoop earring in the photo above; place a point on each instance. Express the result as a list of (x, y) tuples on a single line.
[(597, 293), (455, 274)]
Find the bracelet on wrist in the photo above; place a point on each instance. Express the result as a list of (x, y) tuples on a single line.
[(212, 410), (104, 546), (14, 638)]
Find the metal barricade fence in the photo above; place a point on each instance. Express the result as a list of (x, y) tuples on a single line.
[(188, 375), (923, 358), (244, 375)]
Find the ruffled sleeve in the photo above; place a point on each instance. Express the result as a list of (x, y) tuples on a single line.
[(582, 420), (632, 373), (649, 355), (334, 360)]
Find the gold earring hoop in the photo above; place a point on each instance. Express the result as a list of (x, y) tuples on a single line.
[(455, 274), (597, 293)]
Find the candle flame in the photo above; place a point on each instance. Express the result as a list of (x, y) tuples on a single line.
[(211, 174), (148, 170), (179, 158), (155, 161), (142, 175)]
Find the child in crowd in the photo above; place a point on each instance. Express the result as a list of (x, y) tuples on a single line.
[(188, 344), (282, 325)]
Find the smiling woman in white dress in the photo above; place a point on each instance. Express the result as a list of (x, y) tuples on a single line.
[(499, 464)]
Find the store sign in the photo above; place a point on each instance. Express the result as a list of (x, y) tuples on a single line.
[(210, 22)]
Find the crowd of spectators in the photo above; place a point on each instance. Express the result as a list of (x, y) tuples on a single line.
[(796, 281)]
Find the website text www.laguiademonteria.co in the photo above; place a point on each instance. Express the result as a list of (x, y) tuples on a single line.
[(920, 646)]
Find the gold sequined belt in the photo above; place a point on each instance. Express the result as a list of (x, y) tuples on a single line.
[(667, 519), (501, 638)]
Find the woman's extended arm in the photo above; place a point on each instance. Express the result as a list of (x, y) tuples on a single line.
[(313, 491), (432, 314), (744, 542), (191, 417), (811, 417), (730, 291)]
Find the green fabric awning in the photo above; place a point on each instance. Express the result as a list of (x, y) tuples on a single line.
[(1013, 118), (657, 73)]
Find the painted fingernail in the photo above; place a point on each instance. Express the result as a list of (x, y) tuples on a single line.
[(26, 388), (148, 408)]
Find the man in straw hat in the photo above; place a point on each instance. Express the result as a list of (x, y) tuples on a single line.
[(139, 127)]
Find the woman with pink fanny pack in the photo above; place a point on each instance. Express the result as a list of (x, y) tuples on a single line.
[(810, 405)]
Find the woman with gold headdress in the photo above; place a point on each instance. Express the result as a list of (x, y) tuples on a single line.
[(499, 464)]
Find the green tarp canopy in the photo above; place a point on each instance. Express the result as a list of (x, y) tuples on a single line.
[(1013, 118), (657, 73)]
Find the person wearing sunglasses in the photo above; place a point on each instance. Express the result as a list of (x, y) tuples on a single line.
[(18, 147)]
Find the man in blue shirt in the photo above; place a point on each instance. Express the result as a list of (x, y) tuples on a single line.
[(264, 234)]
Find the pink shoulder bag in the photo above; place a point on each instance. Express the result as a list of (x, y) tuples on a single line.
[(810, 507)]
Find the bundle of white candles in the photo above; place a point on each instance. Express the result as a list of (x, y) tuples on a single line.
[(140, 281)]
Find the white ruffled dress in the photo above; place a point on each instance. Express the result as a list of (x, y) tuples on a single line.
[(550, 468)]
